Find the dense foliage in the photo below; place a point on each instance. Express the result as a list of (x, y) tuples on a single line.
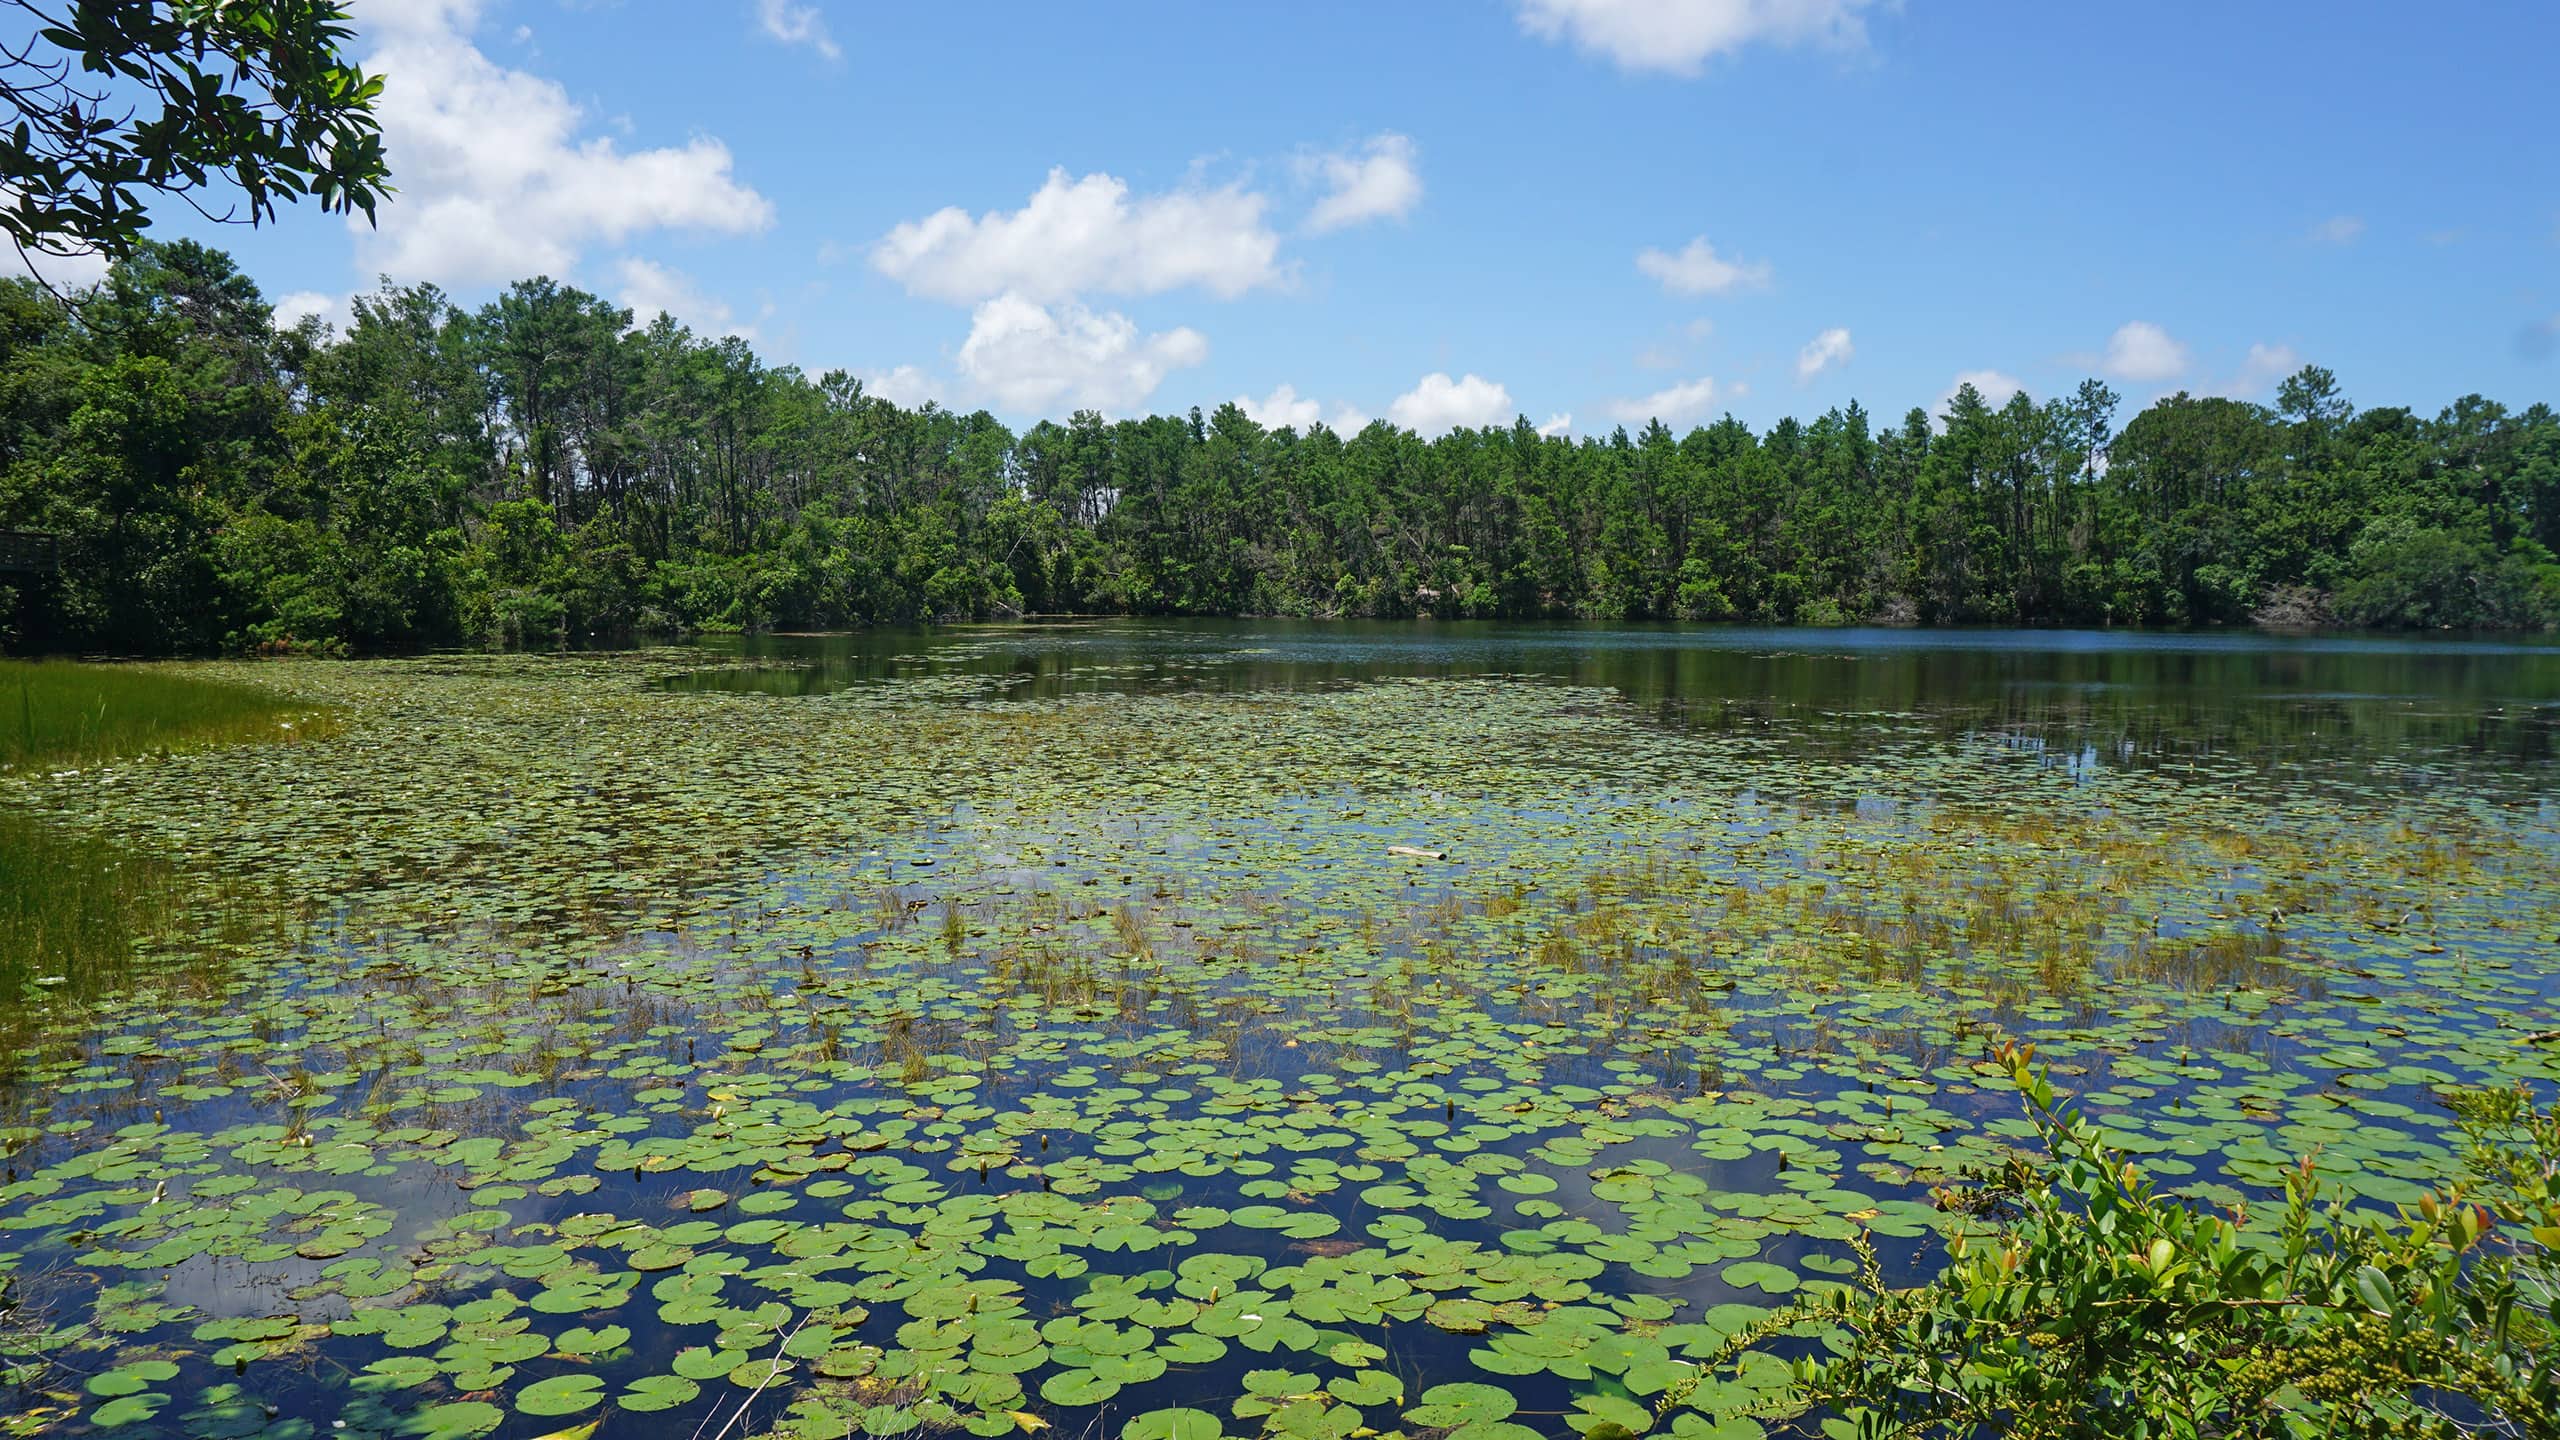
[(110, 105), (543, 467), (2108, 1306)]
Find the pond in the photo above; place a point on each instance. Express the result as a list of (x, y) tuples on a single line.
[(1167, 1030)]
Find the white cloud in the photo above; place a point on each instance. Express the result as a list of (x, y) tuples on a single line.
[(2144, 353), (1088, 234), (2261, 369), (650, 289), (64, 273), (1378, 182), (1680, 36), (1038, 359), (904, 386), (499, 179), (1825, 351), (1675, 405), (291, 310), (1439, 403), (1557, 425), (1699, 270), (797, 25), (1997, 389), (1285, 406), (2339, 230)]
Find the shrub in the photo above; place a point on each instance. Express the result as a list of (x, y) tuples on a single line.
[(2108, 1307)]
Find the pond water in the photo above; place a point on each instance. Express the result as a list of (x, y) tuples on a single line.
[(1168, 1030)]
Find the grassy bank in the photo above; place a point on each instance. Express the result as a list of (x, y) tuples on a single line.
[(74, 713)]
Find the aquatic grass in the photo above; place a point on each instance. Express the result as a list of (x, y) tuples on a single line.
[(72, 906), (78, 910), (85, 920), (78, 713)]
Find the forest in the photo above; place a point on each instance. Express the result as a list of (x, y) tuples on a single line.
[(543, 468)]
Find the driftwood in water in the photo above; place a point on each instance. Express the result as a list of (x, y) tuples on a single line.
[(1411, 853)]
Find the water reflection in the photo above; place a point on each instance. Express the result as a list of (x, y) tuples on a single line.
[(2076, 700)]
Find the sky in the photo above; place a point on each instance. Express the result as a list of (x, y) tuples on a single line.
[(1445, 212)]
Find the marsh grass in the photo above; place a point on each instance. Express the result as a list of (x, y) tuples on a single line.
[(69, 903), (78, 910), (85, 921), (76, 713)]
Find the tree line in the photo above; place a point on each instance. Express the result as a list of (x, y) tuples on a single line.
[(541, 467)]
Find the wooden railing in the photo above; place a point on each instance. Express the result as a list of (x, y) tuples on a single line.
[(29, 552)]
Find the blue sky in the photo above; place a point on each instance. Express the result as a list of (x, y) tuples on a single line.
[(1149, 206)]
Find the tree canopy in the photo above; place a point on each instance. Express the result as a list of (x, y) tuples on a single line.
[(542, 466)]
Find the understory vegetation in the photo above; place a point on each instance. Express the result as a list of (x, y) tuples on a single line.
[(541, 467)]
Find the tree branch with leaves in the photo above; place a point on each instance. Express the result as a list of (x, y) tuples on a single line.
[(111, 103)]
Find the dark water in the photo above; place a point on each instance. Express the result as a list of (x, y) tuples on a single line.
[(2112, 697)]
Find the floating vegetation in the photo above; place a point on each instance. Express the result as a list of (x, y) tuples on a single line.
[(1442, 1055)]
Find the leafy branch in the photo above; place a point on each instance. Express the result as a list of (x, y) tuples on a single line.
[(110, 102)]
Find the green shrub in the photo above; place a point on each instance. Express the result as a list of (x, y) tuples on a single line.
[(2110, 1308)]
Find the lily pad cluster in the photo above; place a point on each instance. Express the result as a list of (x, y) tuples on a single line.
[(908, 1060)]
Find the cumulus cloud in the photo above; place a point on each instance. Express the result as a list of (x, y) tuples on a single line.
[(2338, 230), (1439, 403), (1825, 351), (1557, 425), (2144, 353), (1674, 405), (904, 386), (76, 270), (63, 273), (498, 176), (1285, 406), (650, 289), (797, 25), (1698, 270), (1085, 235), (1036, 358), (1378, 181), (2261, 370), (1680, 36), (300, 305), (1997, 389)]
